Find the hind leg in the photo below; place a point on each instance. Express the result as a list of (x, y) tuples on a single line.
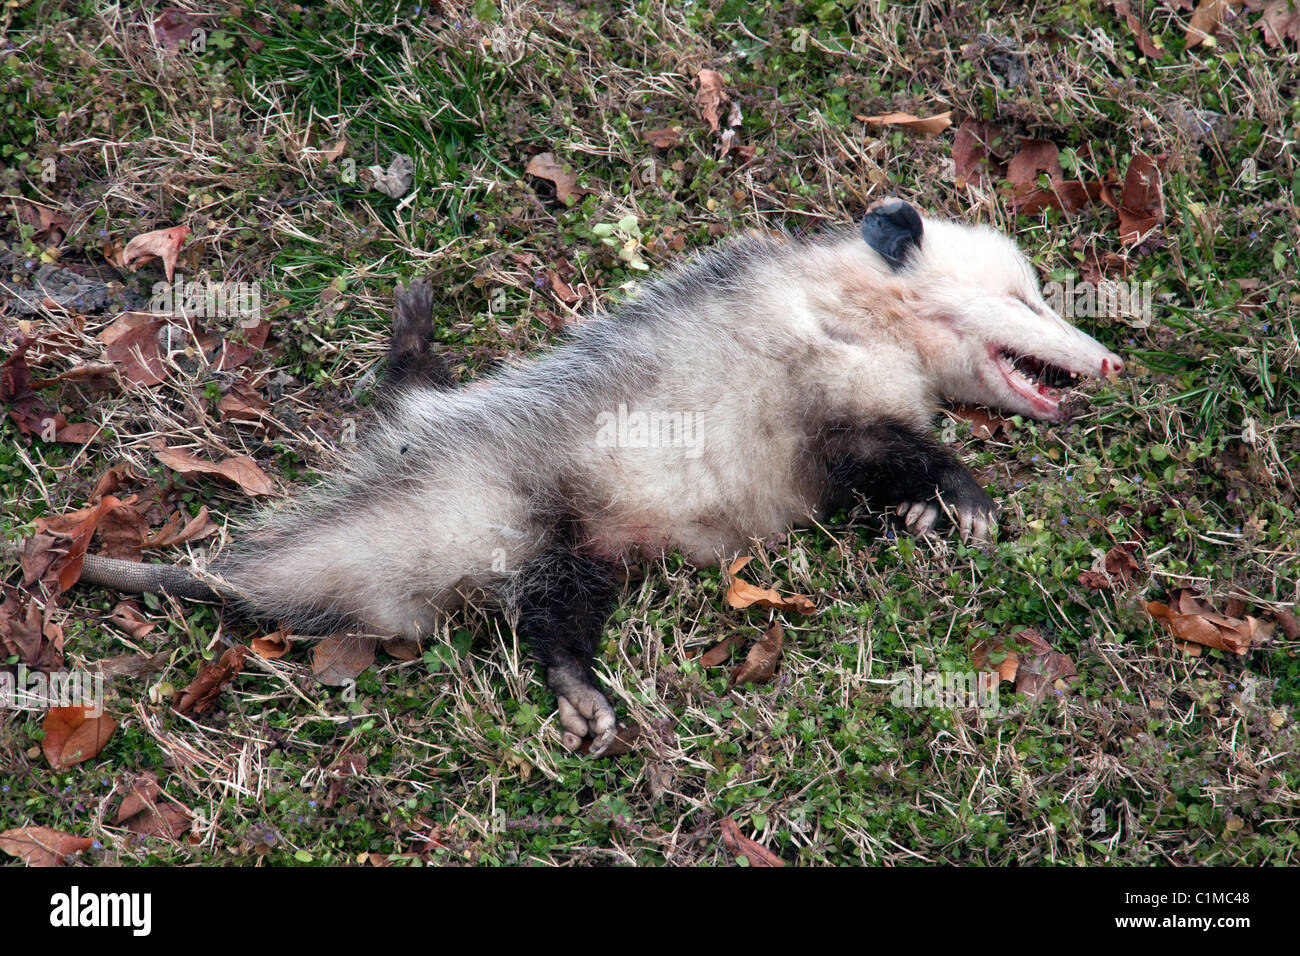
[(563, 599), (410, 359)]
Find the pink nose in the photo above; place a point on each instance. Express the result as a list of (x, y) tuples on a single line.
[(1112, 363)]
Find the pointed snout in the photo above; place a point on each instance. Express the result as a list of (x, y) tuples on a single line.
[(1112, 363)]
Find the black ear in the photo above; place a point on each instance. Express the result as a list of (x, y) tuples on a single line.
[(893, 229)]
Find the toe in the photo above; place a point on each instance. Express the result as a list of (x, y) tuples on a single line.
[(572, 720), (928, 517)]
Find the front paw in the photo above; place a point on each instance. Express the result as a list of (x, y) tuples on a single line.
[(962, 501)]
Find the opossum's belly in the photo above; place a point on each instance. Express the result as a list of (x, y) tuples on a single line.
[(704, 533), (697, 542), (705, 502)]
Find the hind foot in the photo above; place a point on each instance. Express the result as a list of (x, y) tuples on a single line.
[(584, 711)]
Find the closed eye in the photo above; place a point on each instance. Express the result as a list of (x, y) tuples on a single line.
[(1027, 304)]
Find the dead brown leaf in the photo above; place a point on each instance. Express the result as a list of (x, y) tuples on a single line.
[(172, 28), (625, 740), (72, 735), (975, 149), (1041, 668), (51, 225), (1144, 41), (143, 794), (28, 631), (67, 535), (546, 166), (742, 594), (340, 658), (236, 350), (664, 138), (741, 845), (335, 151), (170, 534), (402, 648), (930, 125), (711, 97), (201, 695), (1192, 620), (42, 846), (162, 244), (718, 653), (982, 653), (1281, 21), (237, 469), (133, 665), (1141, 206), (127, 616), (1206, 20), (131, 344), (272, 646), (760, 663), (242, 403), (984, 423), (144, 811), (1287, 622), (1121, 565), (32, 416)]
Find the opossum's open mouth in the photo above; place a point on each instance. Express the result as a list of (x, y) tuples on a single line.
[(1036, 380)]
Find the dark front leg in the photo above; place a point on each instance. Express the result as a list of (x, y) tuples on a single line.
[(410, 359), (895, 466), (563, 598)]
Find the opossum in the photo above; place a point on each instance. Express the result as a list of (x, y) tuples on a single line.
[(764, 384)]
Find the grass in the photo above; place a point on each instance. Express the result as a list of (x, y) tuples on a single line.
[(1154, 758)]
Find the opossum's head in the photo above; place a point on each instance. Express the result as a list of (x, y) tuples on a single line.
[(985, 332)]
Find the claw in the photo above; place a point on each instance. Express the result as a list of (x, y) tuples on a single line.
[(922, 519)]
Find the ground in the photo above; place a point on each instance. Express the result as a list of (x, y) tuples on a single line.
[(1158, 752)]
